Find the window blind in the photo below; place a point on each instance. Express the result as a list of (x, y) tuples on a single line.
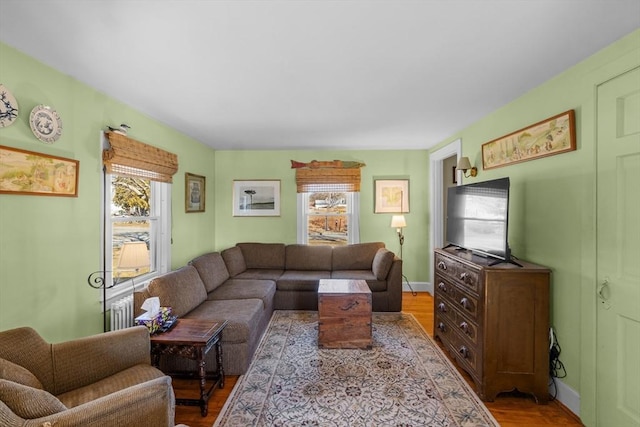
[(324, 180), (128, 157)]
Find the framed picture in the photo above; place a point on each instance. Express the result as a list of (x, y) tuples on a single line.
[(256, 198), (31, 173), (549, 137), (194, 192), (391, 196)]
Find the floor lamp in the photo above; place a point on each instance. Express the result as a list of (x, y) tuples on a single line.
[(398, 222)]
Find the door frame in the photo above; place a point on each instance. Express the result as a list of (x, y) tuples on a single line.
[(436, 195)]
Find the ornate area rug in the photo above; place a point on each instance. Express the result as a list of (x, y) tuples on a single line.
[(404, 380)]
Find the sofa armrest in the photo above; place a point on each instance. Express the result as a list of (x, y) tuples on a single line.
[(394, 285), (151, 403), (138, 298), (83, 361)]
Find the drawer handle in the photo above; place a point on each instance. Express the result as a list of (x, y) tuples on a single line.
[(442, 265), (465, 327), (442, 287), (441, 327), (442, 307), (464, 351), (464, 302)]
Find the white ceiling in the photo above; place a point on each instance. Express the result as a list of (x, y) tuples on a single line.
[(320, 74)]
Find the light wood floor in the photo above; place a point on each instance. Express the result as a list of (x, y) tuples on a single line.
[(510, 410)]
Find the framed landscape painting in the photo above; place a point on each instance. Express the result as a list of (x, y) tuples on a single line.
[(549, 137), (256, 198), (30, 173)]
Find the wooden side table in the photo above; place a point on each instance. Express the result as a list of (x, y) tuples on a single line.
[(192, 339), (344, 314)]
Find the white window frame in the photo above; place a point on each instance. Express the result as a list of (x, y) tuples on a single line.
[(161, 211), (353, 212)]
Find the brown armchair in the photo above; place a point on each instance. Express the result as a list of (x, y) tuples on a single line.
[(101, 380)]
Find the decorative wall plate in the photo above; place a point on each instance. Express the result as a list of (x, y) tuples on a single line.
[(45, 124), (8, 107)]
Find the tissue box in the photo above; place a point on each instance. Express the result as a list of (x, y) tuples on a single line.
[(155, 323)]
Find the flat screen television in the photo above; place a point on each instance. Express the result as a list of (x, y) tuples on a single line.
[(478, 218)]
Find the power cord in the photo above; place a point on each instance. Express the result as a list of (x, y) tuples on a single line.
[(414, 293), (556, 367)]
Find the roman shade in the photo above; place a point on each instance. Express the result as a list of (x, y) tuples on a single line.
[(129, 157), (324, 180)]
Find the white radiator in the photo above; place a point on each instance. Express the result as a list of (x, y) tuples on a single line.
[(122, 313)]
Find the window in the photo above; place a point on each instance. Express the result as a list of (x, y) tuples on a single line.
[(136, 213), (137, 222), (328, 218)]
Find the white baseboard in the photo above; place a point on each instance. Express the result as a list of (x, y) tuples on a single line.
[(417, 287), (567, 396)]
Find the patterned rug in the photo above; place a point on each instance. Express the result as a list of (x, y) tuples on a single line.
[(404, 380)]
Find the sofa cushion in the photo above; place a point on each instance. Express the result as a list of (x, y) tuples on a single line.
[(263, 255), (245, 289), (353, 274), (129, 377), (306, 257), (295, 280), (16, 373), (38, 360), (29, 402), (234, 260), (355, 257), (182, 290), (382, 263), (243, 316), (260, 274), (211, 269)]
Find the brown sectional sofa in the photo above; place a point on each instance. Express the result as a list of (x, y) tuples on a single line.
[(245, 283)]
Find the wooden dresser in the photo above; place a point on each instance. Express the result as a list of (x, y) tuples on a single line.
[(495, 321)]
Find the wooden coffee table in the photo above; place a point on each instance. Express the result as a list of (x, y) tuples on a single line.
[(192, 339), (344, 314)]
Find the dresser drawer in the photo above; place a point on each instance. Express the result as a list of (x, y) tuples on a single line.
[(467, 329), (467, 304), (464, 275), (469, 279), (446, 266), (464, 353), (445, 287), (444, 308)]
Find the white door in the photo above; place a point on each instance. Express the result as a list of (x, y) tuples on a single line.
[(618, 251)]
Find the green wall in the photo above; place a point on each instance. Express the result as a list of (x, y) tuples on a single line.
[(552, 217), (49, 245), (276, 165)]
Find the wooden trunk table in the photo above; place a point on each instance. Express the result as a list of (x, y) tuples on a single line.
[(344, 314), (192, 339)]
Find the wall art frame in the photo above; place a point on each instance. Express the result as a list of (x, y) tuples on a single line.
[(30, 173), (195, 187), (391, 196), (259, 197), (548, 137)]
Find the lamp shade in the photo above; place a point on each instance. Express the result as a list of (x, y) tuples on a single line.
[(398, 221), (133, 256), (463, 164)]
